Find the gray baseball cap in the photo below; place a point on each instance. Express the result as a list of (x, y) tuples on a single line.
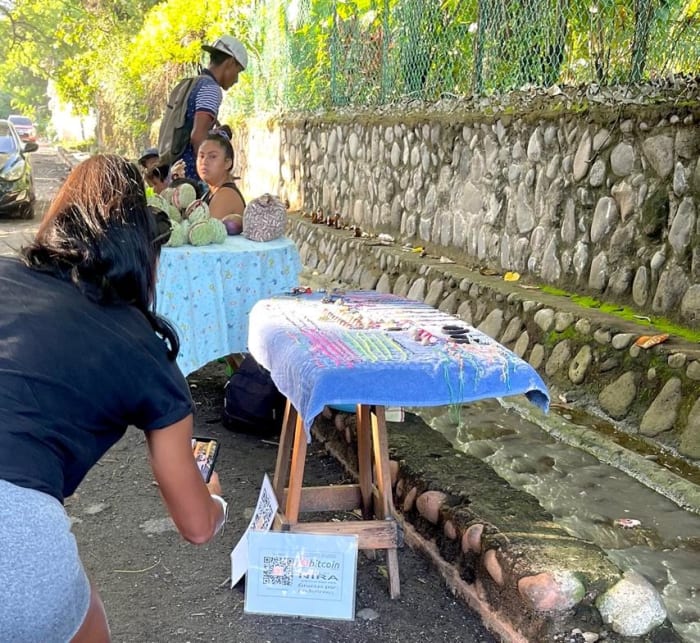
[(231, 47)]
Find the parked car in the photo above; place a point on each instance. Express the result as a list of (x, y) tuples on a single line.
[(16, 179), (24, 126)]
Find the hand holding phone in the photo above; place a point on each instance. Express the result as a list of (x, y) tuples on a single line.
[(205, 451)]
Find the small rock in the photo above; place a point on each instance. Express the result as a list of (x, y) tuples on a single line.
[(552, 591), (677, 360), (409, 499), (622, 340), (632, 606), (493, 567), (471, 539), (367, 614), (158, 526), (429, 503), (393, 471), (95, 509)]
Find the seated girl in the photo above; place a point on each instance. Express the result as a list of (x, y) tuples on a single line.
[(214, 166)]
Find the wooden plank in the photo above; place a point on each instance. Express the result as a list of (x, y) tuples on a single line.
[(329, 498), (384, 508), (364, 458), (392, 567), (296, 475), (372, 534), (382, 472), (284, 450)]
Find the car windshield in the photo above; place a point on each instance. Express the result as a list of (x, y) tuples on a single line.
[(7, 142), (20, 120)]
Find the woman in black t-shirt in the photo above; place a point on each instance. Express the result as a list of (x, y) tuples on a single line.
[(215, 165), (82, 357)]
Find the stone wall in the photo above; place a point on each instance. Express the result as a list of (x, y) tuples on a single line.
[(598, 200), (585, 357)]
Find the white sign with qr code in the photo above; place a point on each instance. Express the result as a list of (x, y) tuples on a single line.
[(263, 517), (311, 575)]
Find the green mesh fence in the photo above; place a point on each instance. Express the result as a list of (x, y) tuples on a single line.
[(329, 53)]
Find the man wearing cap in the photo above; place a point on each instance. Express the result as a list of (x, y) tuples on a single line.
[(228, 58)]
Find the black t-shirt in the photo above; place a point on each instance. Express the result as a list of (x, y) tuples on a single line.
[(73, 376)]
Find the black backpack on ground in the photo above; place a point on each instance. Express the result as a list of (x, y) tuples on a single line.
[(252, 403)]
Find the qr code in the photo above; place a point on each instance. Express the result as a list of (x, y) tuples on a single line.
[(277, 570), (264, 514)]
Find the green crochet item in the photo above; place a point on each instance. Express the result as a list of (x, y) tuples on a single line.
[(158, 202), (174, 213), (199, 213), (182, 196), (178, 234), (206, 232)]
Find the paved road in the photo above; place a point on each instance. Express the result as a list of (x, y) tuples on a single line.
[(49, 174)]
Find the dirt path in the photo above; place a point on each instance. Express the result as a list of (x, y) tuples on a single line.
[(158, 588)]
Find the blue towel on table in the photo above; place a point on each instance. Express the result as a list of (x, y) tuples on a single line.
[(373, 348)]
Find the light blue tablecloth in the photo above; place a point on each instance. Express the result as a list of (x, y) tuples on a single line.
[(207, 292), (372, 348)]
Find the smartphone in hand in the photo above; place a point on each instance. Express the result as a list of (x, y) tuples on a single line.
[(205, 451)]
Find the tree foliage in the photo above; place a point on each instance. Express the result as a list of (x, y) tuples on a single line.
[(120, 58)]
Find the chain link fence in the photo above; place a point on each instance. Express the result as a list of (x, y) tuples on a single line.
[(328, 53)]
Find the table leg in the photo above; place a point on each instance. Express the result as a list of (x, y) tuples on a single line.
[(296, 476), (364, 458), (385, 504), (284, 451)]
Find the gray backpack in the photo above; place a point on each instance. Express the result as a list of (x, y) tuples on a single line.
[(174, 133)]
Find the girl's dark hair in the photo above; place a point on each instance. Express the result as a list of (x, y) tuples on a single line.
[(100, 234), (159, 172), (224, 140)]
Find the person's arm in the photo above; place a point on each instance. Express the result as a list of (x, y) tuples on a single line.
[(226, 201), (197, 516), (203, 122)]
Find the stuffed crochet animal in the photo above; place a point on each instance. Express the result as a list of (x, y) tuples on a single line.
[(190, 217)]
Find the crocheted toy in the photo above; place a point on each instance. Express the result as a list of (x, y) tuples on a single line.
[(205, 232), (178, 234), (265, 218), (197, 211)]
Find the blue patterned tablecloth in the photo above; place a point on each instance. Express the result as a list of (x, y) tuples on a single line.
[(373, 348), (207, 292)]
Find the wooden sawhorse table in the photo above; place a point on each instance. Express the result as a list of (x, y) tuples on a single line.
[(378, 529)]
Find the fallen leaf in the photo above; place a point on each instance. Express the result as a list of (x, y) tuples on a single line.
[(511, 276), (488, 272), (647, 341)]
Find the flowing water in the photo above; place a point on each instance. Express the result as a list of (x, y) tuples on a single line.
[(586, 497)]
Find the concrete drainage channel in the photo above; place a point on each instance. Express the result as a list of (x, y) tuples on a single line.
[(541, 551)]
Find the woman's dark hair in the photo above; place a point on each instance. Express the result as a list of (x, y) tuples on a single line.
[(100, 234), (223, 139), (159, 172)]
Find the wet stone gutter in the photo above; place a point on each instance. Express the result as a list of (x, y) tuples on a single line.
[(498, 550), (495, 546)]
